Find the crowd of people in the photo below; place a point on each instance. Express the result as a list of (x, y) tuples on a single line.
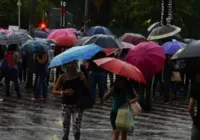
[(73, 78)]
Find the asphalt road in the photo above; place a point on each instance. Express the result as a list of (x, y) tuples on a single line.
[(27, 120)]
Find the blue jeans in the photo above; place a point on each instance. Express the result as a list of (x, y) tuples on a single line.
[(99, 78), (41, 85)]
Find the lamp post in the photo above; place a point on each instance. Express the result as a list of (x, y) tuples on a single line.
[(86, 15), (19, 13)]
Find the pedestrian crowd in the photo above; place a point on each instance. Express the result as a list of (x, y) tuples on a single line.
[(76, 82)]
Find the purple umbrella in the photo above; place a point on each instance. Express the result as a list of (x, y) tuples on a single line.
[(172, 47)]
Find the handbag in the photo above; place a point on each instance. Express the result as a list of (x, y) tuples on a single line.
[(176, 77), (124, 120), (85, 100), (136, 108)]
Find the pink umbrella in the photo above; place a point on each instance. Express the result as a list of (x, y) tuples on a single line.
[(59, 32), (127, 45), (65, 40), (6, 31), (148, 57)]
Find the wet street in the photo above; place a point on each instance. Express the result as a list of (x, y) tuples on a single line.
[(27, 120)]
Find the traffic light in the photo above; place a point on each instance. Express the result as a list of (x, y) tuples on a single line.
[(43, 25)]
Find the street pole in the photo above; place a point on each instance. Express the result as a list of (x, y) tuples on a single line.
[(29, 83), (63, 5), (32, 17), (19, 13), (86, 15)]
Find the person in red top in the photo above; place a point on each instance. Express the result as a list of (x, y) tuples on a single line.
[(9, 64)]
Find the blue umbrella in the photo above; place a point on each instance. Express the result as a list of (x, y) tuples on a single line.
[(172, 47), (75, 53), (98, 30), (35, 46)]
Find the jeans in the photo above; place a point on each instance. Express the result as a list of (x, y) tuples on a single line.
[(41, 85), (99, 78), (12, 75), (195, 133)]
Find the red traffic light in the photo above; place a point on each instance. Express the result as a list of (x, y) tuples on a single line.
[(43, 25), (63, 10)]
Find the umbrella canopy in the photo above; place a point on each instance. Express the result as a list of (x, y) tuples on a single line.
[(15, 38), (40, 34), (132, 38), (127, 45), (188, 40), (172, 47), (75, 53), (98, 30), (153, 26), (6, 31), (35, 46), (65, 40), (192, 50), (54, 34), (120, 68), (148, 57), (164, 31), (105, 41), (81, 40)]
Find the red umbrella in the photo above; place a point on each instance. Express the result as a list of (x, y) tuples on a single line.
[(149, 57), (121, 68), (132, 38), (65, 40)]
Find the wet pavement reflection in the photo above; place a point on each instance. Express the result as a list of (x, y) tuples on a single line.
[(27, 120)]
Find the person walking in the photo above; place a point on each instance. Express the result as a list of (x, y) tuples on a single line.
[(122, 93), (71, 84), (42, 73), (195, 98)]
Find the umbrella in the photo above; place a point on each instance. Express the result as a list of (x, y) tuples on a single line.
[(172, 47), (153, 26), (65, 40), (16, 38), (81, 40), (188, 40), (148, 57), (120, 68), (40, 34), (132, 38), (35, 46), (75, 53), (6, 31), (54, 34), (127, 45), (164, 31), (98, 30), (192, 50), (105, 41)]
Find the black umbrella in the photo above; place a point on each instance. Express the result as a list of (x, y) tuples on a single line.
[(192, 50), (105, 41), (163, 31)]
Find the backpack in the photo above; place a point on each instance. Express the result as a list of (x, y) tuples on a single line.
[(9, 60)]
